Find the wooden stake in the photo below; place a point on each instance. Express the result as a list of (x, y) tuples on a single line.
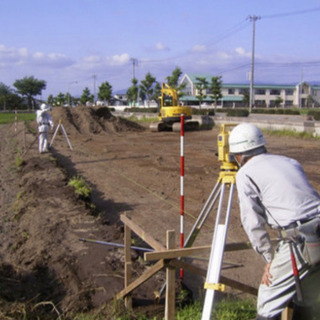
[(170, 281), (128, 264)]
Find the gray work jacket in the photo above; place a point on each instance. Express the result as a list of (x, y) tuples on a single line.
[(273, 190)]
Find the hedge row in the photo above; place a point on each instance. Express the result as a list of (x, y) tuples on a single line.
[(276, 111), (315, 114), (236, 112)]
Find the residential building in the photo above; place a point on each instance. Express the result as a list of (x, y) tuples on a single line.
[(300, 95)]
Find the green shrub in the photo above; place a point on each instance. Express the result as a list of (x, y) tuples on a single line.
[(19, 162), (237, 112), (275, 111), (315, 114), (203, 112), (144, 110), (80, 187)]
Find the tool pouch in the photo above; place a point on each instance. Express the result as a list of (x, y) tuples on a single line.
[(310, 231)]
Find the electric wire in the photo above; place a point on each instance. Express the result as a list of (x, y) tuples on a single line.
[(287, 14)]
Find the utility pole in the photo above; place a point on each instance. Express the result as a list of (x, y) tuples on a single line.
[(134, 64), (94, 88), (253, 19)]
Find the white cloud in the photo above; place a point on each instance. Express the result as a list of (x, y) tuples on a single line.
[(23, 52), (242, 52), (161, 47), (118, 59), (199, 48), (224, 55), (92, 59), (10, 57), (39, 55)]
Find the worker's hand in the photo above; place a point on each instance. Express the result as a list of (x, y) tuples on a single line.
[(267, 276)]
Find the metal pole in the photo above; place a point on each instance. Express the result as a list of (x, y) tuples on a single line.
[(253, 19), (94, 89), (113, 244), (181, 187)]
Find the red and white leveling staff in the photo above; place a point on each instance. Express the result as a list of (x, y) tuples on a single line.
[(181, 186)]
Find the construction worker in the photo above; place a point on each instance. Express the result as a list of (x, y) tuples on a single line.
[(274, 191), (44, 121)]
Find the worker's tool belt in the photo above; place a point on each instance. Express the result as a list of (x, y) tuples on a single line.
[(307, 232)]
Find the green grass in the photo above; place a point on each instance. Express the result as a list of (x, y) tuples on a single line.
[(223, 310), (143, 119), (227, 309), (9, 117), (291, 133)]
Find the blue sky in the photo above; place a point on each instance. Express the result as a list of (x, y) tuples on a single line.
[(73, 44)]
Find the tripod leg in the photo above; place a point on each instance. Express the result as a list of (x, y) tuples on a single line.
[(54, 135), (65, 134), (216, 255), (203, 215)]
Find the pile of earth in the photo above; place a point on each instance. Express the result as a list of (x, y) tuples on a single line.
[(45, 271), (86, 120)]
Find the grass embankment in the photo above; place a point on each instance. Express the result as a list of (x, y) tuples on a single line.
[(10, 117)]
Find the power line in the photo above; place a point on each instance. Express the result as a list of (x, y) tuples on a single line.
[(286, 14), (230, 32)]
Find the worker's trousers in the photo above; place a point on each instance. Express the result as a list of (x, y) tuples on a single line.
[(43, 141), (273, 299)]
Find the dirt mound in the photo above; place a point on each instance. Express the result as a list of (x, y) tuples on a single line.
[(45, 270), (92, 120)]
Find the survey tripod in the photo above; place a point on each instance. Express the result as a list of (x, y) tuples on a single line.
[(226, 178)]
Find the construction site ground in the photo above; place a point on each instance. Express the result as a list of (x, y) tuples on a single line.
[(45, 269)]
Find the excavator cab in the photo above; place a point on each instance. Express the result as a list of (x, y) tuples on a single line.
[(170, 111)]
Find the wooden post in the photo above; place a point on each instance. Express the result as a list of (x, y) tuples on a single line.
[(287, 314), (127, 264), (170, 281)]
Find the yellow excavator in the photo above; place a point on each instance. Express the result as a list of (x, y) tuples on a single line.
[(169, 113)]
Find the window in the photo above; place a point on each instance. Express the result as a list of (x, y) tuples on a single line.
[(260, 91), (231, 91), (288, 103), (275, 92), (289, 92), (243, 91)]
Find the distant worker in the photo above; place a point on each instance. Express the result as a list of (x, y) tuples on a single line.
[(273, 190), (44, 121)]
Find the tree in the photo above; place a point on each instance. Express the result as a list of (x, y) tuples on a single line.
[(132, 92), (201, 85), (246, 97), (60, 99), (50, 99), (157, 93), (105, 92), (215, 89), (68, 99), (86, 96), (174, 79), (5, 92), (148, 87), (278, 101), (29, 87)]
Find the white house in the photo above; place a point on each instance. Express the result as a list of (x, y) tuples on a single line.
[(302, 94)]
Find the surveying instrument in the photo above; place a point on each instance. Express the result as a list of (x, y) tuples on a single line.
[(226, 178)]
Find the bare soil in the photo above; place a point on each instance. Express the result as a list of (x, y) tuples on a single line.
[(46, 270)]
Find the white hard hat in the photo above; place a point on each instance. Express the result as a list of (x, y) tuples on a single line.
[(245, 137), (43, 107)]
